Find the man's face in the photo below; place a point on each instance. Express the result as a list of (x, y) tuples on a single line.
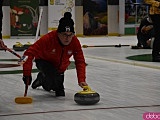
[(65, 37)]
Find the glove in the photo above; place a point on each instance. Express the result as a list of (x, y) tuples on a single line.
[(146, 29), (149, 27), (27, 79), (22, 60)]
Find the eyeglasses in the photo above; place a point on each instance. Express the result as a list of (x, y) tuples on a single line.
[(67, 35)]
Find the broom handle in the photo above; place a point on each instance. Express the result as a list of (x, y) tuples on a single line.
[(11, 51), (39, 22), (26, 88), (86, 46)]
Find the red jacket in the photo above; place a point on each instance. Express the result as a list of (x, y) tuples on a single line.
[(49, 48)]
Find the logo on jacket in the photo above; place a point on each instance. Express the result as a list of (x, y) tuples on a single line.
[(69, 52), (53, 51)]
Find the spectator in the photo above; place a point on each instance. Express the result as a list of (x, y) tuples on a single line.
[(145, 34), (154, 11)]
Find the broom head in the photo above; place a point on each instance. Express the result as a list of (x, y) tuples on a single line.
[(23, 100)]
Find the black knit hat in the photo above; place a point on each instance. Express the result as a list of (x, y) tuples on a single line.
[(66, 24)]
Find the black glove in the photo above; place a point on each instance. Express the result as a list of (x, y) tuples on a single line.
[(27, 80)]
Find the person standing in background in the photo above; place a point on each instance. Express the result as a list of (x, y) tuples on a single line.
[(154, 11)]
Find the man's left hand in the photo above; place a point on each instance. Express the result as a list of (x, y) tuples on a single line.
[(81, 84)]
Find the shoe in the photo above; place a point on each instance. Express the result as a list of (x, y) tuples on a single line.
[(38, 81), (60, 93), (136, 47), (146, 47), (156, 58)]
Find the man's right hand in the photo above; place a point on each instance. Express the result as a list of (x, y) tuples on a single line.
[(146, 29), (27, 80)]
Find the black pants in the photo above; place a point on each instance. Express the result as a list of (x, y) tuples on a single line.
[(156, 45), (142, 38), (51, 79)]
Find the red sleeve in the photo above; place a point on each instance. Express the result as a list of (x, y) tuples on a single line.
[(79, 61), (32, 52), (27, 66)]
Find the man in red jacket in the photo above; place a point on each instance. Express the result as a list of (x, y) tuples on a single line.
[(52, 53)]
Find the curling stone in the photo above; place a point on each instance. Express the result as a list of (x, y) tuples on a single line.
[(27, 45), (18, 47), (87, 96)]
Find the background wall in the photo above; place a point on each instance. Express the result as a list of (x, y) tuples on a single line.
[(116, 17), (44, 20), (6, 18)]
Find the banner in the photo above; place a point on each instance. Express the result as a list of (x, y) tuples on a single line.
[(95, 17), (56, 10), (24, 16)]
